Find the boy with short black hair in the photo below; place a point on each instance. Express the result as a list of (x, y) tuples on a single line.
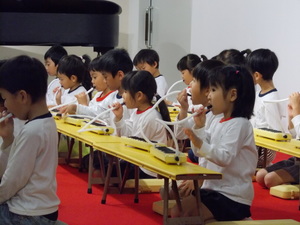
[(28, 186), (52, 57), (263, 64), (148, 59)]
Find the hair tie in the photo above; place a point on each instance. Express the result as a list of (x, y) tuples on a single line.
[(237, 71)]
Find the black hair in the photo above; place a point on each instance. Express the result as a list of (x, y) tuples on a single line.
[(263, 61), (189, 62), (1, 64), (94, 64), (24, 73), (233, 56), (73, 65), (115, 60), (149, 56), (143, 81), (55, 53), (202, 70), (238, 77)]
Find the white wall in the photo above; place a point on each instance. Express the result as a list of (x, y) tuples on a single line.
[(241, 24)]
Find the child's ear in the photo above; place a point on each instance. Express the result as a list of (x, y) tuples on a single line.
[(233, 95), (257, 76), (155, 65), (23, 96), (120, 74), (206, 92), (73, 78), (139, 96)]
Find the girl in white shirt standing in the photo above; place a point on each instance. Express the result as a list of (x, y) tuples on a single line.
[(229, 148), (74, 78), (139, 90)]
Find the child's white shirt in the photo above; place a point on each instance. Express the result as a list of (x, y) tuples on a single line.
[(230, 149), (51, 95), (69, 96), (162, 86), (97, 105), (267, 115), (145, 120), (28, 184)]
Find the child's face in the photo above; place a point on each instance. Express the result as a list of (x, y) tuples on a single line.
[(220, 103), (199, 96), (50, 67), (186, 76), (147, 67), (128, 100), (98, 81), (114, 83), (12, 102), (65, 81)]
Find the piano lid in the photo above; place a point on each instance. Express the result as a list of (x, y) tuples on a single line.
[(66, 22)]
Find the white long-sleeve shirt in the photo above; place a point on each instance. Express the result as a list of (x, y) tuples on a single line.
[(267, 115), (152, 129), (50, 96), (230, 149), (69, 96), (97, 105), (29, 182), (162, 86)]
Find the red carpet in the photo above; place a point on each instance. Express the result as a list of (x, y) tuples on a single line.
[(79, 208)]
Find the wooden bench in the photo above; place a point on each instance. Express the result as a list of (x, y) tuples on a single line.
[(146, 185), (256, 222)]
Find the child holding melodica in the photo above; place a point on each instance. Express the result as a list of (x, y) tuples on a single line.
[(229, 148), (139, 90), (74, 78), (100, 101)]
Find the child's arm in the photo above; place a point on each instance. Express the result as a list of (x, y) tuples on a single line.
[(82, 99), (183, 101), (294, 113)]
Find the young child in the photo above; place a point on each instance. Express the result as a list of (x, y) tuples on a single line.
[(186, 65), (28, 185), (229, 148), (285, 171), (74, 78), (199, 93), (139, 90), (101, 100), (148, 59), (113, 65), (263, 63), (52, 57)]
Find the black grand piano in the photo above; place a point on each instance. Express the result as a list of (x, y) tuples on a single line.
[(67, 22)]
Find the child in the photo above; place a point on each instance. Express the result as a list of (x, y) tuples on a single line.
[(229, 148), (285, 171), (52, 57), (148, 59), (28, 186), (199, 93), (139, 90), (74, 78), (113, 65), (101, 100), (186, 65), (263, 63), (233, 56)]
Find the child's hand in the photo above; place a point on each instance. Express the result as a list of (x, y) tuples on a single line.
[(70, 109), (185, 188), (294, 105), (183, 100), (200, 118), (58, 96), (56, 89), (197, 142), (82, 99), (6, 130), (118, 111)]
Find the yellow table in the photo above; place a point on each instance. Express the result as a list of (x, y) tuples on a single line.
[(87, 138), (140, 158)]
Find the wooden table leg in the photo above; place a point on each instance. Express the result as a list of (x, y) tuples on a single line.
[(136, 182), (107, 179), (90, 172)]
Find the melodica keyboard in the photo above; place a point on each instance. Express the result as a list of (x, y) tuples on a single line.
[(272, 134), (74, 120), (296, 143), (167, 154), (98, 128), (137, 142)]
